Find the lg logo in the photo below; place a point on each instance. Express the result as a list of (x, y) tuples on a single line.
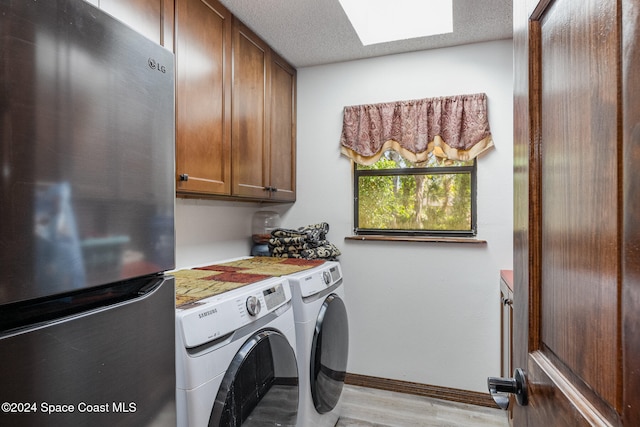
[(155, 66)]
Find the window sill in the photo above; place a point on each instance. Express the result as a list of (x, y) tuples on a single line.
[(432, 239)]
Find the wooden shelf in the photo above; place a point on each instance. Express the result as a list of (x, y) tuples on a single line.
[(431, 239)]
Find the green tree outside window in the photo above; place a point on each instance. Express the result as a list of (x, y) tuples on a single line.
[(395, 196)]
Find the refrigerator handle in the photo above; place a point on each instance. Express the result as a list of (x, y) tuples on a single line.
[(151, 286)]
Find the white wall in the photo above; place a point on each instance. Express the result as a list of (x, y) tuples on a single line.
[(210, 230), (421, 312)]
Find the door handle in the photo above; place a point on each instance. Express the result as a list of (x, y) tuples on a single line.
[(500, 388)]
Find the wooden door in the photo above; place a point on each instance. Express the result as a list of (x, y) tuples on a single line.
[(282, 134), (250, 147), (577, 211), (203, 98)]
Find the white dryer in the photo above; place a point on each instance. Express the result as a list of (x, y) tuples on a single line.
[(322, 337), (235, 358)]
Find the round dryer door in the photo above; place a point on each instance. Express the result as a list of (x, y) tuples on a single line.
[(329, 352), (261, 385)]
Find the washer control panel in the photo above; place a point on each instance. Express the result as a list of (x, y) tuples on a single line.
[(253, 305), (222, 314), (274, 296)]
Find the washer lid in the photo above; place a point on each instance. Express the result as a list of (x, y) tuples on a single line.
[(228, 312)]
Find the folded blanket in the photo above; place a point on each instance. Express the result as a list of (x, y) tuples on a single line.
[(329, 251), (306, 242), (298, 242), (309, 233)]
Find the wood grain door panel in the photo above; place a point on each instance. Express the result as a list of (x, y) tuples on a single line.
[(579, 230), (630, 219), (575, 190)]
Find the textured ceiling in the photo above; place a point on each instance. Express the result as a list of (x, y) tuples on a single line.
[(314, 32)]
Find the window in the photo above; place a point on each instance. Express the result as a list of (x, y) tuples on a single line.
[(415, 165), (394, 196)]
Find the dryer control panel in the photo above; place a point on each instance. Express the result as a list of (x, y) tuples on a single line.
[(316, 280), (218, 316)]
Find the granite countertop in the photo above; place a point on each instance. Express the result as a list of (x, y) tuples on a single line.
[(198, 283)]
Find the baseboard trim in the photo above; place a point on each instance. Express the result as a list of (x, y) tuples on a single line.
[(432, 391)]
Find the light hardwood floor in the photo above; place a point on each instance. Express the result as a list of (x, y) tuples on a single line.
[(366, 407)]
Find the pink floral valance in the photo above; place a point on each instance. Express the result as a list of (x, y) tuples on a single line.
[(453, 127)]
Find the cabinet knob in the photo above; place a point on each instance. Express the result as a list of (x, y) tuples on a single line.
[(184, 177)]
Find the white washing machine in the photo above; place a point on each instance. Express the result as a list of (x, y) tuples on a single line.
[(235, 358), (322, 336)]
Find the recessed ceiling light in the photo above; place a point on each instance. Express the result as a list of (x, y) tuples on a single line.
[(380, 21)]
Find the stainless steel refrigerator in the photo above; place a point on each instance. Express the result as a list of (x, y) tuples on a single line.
[(86, 220)]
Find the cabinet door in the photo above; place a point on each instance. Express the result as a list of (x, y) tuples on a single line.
[(250, 149), (203, 97), (152, 18), (282, 134)]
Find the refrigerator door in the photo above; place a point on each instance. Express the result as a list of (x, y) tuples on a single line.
[(113, 366), (86, 150)]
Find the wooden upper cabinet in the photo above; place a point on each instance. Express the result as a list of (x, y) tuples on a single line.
[(282, 130), (235, 109), (263, 116), (152, 18), (250, 147), (203, 98)]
